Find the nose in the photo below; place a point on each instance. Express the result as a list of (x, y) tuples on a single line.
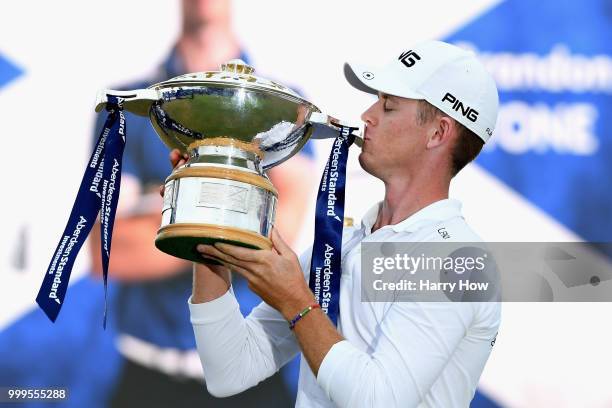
[(369, 116)]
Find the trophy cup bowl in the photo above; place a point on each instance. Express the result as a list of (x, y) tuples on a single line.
[(234, 126)]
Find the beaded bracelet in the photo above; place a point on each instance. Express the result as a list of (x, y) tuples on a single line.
[(302, 314)]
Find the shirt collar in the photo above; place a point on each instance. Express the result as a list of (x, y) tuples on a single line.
[(433, 213)]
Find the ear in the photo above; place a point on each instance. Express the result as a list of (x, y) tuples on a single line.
[(441, 132)]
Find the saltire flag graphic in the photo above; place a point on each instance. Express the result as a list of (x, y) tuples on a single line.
[(70, 354), (8, 71), (552, 62)]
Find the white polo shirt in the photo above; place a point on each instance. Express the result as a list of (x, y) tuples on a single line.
[(396, 354)]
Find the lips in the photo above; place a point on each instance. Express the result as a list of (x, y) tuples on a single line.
[(365, 133)]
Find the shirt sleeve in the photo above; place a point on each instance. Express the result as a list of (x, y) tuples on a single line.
[(236, 352), (308, 150), (415, 343)]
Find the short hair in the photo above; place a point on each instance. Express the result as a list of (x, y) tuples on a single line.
[(468, 144)]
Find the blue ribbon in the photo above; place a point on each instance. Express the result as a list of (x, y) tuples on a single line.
[(325, 266), (99, 192)]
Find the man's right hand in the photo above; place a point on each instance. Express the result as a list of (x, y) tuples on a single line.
[(176, 160)]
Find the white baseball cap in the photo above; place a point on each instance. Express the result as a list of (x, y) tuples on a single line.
[(448, 77)]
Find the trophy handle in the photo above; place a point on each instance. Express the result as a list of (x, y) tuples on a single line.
[(326, 127), (138, 101)]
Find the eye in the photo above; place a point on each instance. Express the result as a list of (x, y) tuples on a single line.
[(386, 108)]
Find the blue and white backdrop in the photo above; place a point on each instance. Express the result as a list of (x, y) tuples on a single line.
[(546, 176)]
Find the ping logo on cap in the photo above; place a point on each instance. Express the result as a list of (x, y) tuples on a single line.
[(409, 58), (470, 113)]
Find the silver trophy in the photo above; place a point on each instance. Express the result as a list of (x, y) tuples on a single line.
[(234, 126)]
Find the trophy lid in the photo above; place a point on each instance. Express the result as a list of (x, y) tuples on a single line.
[(231, 103), (235, 73)]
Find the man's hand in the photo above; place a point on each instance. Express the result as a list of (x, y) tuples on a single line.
[(177, 160), (274, 274)]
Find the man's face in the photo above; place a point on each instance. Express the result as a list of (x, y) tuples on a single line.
[(394, 142), (197, 13)]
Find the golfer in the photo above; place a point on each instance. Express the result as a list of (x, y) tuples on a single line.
[(436, 108)]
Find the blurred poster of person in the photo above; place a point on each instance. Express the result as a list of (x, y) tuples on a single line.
[(155, 336), (73, 353)]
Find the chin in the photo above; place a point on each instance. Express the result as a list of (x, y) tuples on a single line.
[(365, 161)]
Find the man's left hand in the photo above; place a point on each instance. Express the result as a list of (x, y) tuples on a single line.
[(274, 274)]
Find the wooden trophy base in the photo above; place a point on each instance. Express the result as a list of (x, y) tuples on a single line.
[(180, 240)]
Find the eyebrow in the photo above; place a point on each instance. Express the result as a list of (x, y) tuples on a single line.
[(387, 97)]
